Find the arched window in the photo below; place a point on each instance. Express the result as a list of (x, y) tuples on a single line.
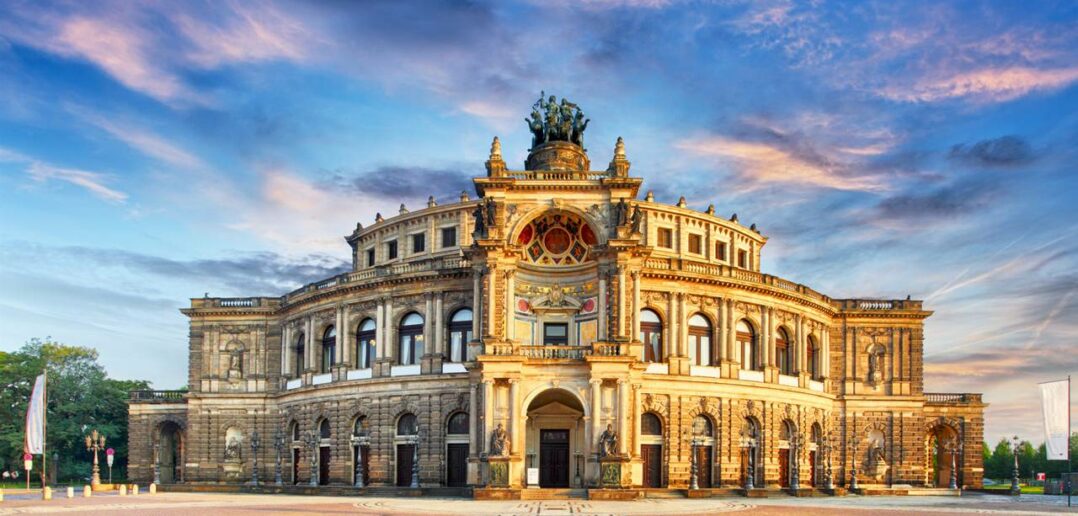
[(746, 340), (702, 427), (329, 348), (651, 334), (301, 345), (650, 424), (812, 356), (700, 340), (293, 430), (407, 425), (411, 339), (323, 429), (361, 428), (458, 424), (750, 432), (783, 352), (788, 430), (365, 343), (460, 333)]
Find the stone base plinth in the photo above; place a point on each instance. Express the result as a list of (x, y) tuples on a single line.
[(802, 492), (755, 493), (495, 493), (614, 494)]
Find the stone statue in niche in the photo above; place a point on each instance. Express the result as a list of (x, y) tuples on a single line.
[(233, 448), (235, 363), (608, 442), (499, 442), (480, 222), (875, 358)]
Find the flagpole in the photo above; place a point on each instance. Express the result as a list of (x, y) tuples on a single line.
[(1070, 478), (44, 423)]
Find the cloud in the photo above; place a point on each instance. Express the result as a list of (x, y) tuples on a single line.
[(152, 48), (141, 139), (940, 203), (42, 172), (401, 182), (1002, 151), (982, 85)]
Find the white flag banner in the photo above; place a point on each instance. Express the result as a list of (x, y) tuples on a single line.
[(35, 418), (1054, 399)]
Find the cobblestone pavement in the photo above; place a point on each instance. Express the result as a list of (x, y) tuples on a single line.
[(205, 504)]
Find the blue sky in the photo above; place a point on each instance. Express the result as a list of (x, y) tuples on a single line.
[(154, 151)]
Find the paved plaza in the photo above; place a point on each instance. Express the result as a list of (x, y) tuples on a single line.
[(203, 503)]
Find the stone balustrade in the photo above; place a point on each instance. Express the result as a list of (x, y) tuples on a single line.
[(952, 398), (148, 396)]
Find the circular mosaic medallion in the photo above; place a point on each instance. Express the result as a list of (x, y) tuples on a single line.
[(557, 240)]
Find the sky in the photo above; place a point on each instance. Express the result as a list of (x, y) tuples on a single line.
[(151, 152)]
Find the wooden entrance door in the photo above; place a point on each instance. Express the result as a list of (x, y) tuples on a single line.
[(784, 467), (703, 466), (295, 465), (553, 458), (456, 467), (812, 467), (323, 465), (405, 454), (653, 464)]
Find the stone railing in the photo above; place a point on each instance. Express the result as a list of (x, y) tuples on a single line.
[(381, 271), (726, 271), (557, 175), (555, 352), (144, 396), (609, 349), (952, 398), (877, 304)]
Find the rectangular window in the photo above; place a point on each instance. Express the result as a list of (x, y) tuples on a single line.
[(556, 334), (449, 237), (666, 238), (391, 250), (696, 245), (743, 259), (370, 257), (419, 242), (720, 251)]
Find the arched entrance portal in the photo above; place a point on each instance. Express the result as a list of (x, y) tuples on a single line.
[(937, 444), (170, 450), (555, 438)]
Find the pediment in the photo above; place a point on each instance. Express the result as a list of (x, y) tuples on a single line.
[(555, 408)]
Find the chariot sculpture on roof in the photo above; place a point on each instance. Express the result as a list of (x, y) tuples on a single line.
[(552, 121)]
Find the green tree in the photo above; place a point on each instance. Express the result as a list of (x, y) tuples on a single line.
[(80, 398), (998, 466)]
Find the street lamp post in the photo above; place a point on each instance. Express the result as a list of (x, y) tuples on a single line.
[(795, 467), (95, 442), (312, 447), (1015, 490), (853, 469), (156, 464), (278, 445), (255, 443), (954, 447), (358, 440), (827, 474), (415, 462), (694, 479)]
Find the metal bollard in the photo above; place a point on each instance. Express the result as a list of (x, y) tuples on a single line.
[(46, 493), (134, 489), (70, 492), (123, 490), (86, 491), (153, 488)]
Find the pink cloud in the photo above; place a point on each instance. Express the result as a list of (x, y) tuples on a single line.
[(42, 172), (141, 139), (986, 85)]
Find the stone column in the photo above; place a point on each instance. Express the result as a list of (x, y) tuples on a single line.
[(624, 413), (603, 322), (722, 328), (596, 410), (621, 301), (636, 419), (473, 420), (341, 352), (765, 332), (682, 326), (439, 324), (488, 413), (636, 306), (286, 338), (379, 330), (731, 333), (514, 415), (390, 331), (799, 336), (428, 324), (492, 289), (477, 304), (510, 304), (669, 337), (308, 347)]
